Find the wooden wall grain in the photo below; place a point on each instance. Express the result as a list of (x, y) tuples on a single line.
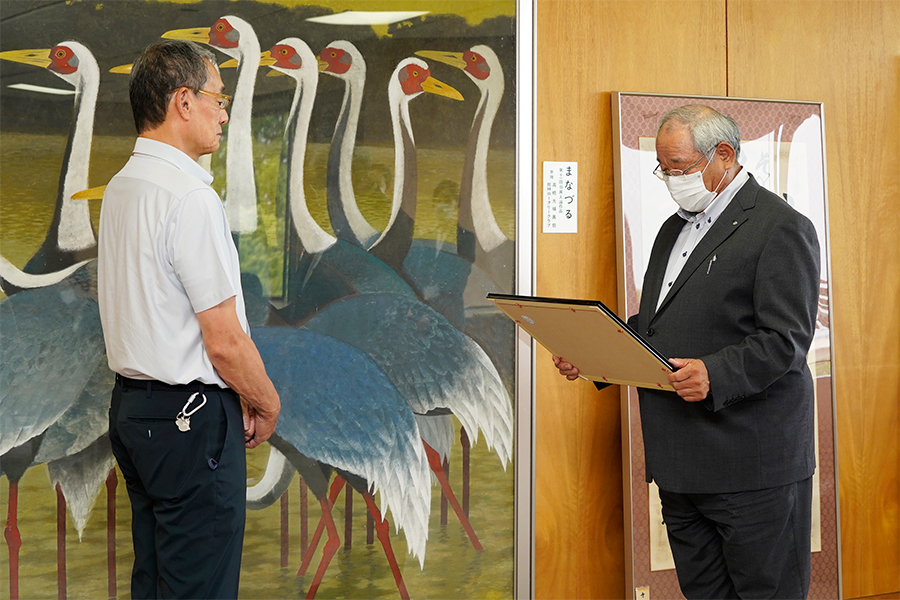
[(845, 53)]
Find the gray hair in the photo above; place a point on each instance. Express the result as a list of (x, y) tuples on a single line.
[(707, 127), (160, 69)]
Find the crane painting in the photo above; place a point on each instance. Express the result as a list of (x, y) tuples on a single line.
[(368, 172)]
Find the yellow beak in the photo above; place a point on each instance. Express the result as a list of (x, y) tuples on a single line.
[(126, 69), (95, 193), (198, 34), (454, 59), (266, 59), (37, 58), (433, 86)]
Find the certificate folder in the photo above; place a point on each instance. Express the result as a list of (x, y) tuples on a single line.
[(590, 336)]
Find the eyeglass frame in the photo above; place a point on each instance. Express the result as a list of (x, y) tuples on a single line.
[(663, 175), (223, 100)]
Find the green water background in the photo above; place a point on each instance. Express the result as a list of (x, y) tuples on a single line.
[(29, 168)]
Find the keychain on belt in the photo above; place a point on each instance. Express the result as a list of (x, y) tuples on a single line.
[(183, 419)]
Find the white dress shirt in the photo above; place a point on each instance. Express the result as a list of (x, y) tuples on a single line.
[(695, 227), (165, 253)]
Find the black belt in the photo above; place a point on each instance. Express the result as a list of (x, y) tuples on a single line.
[(153, 384)]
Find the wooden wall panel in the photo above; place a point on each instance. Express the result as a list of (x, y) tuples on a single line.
[(847, 55), (586, 49)]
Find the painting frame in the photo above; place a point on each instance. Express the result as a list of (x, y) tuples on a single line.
[(526, 240), (772, 129), (523, 398)]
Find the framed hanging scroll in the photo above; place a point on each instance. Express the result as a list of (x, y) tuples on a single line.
[(783, 147)]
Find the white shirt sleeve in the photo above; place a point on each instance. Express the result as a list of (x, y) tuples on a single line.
[(200, 249)]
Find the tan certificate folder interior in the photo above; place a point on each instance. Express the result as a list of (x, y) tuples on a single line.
[(590, 336)]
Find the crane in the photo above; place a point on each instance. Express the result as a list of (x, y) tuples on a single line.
[(70, 238)]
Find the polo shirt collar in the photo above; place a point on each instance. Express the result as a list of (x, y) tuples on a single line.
[(174, 156)]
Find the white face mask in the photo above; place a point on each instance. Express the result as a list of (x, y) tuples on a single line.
[(689, 191)]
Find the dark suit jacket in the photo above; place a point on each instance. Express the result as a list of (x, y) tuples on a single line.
[(745, 303)]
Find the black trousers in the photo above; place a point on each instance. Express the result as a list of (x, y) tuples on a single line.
[(187, 488), (742, 545)]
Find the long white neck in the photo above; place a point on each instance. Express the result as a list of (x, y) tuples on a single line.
[(403, 136), (240, 193), (75, 229), (312, 236), (11, 274), (486, 229), (348, 123)]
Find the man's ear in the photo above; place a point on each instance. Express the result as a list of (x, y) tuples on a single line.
[(726, 153), (182, 102)]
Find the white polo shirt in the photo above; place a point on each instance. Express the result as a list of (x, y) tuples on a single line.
[(165, 253)]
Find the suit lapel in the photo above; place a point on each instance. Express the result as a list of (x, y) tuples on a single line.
[(656, 269), (728, 222)]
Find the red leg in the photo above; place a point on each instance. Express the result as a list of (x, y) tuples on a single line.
[(336, 487), (328, 551), (384, 535), (434, 459), (13, 539)]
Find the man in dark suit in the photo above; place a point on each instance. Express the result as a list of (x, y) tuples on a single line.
[(732, 283)]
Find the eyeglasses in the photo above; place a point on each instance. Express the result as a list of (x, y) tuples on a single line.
[(663, 175), (223, 100)]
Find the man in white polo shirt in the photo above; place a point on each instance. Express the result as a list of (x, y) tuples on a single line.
[(177, 336)]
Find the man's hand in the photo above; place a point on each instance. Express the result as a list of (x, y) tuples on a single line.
[(691, 380), (257, 428), (566, 369), (249, 420)]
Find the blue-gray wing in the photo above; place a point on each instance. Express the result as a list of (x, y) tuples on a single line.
[(339, 408), (431, 363), (52, 344)]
